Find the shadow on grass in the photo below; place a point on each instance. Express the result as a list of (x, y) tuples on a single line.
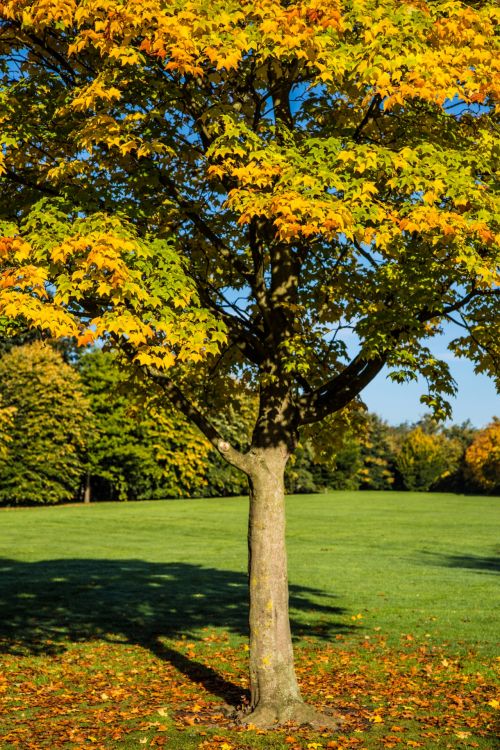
[(489, 564), (47, 604)]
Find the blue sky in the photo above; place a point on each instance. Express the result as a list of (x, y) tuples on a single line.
[(476, 399)]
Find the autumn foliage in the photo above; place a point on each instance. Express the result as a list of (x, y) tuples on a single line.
[(102, 258), (482, 459), (411, 696), (378, 152)]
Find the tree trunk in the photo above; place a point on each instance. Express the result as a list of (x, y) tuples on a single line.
[(87, 490), (272, 676), (275, 695)]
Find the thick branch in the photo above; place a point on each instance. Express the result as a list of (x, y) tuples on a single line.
[(184, 405), (259, 285), (280, 93), (179, 400), (341, 390), (348, 384), (248, 343), (243, 332)]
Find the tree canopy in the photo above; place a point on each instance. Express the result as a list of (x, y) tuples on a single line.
[(482, 459), (47, 432), (255, 175)]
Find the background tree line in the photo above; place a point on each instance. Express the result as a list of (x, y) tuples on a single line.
[(73, 428)]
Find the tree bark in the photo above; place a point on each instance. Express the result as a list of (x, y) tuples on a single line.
[(275, 694), (272, 676)]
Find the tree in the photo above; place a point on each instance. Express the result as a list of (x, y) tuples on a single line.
[(378, 455), (228, 189), (482, 459), (421, 460), (6, 414), (137, 452), (48, 430), (458, 437)]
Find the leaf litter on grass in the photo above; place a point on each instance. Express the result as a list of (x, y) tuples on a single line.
[(106, 695)]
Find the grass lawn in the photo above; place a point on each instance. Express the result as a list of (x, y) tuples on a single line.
[(124, 625)]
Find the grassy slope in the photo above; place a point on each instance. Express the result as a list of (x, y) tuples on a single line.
[(362, 566)]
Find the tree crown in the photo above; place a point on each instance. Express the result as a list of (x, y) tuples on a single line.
[(246, 185)]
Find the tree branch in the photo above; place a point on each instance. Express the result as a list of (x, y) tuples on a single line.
[(203, 227), (349, 383), (339, 391), (366, 255), (374, 105), (179, 400), (46, 189)]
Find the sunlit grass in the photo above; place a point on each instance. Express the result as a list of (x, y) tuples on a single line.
[(111, 612)]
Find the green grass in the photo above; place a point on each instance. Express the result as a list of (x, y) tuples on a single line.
[(92, 595)]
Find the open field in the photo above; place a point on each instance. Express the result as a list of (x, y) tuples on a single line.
[(123, 625)]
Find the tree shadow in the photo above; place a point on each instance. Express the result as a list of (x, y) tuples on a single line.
[(48, 604), (485, 564)]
